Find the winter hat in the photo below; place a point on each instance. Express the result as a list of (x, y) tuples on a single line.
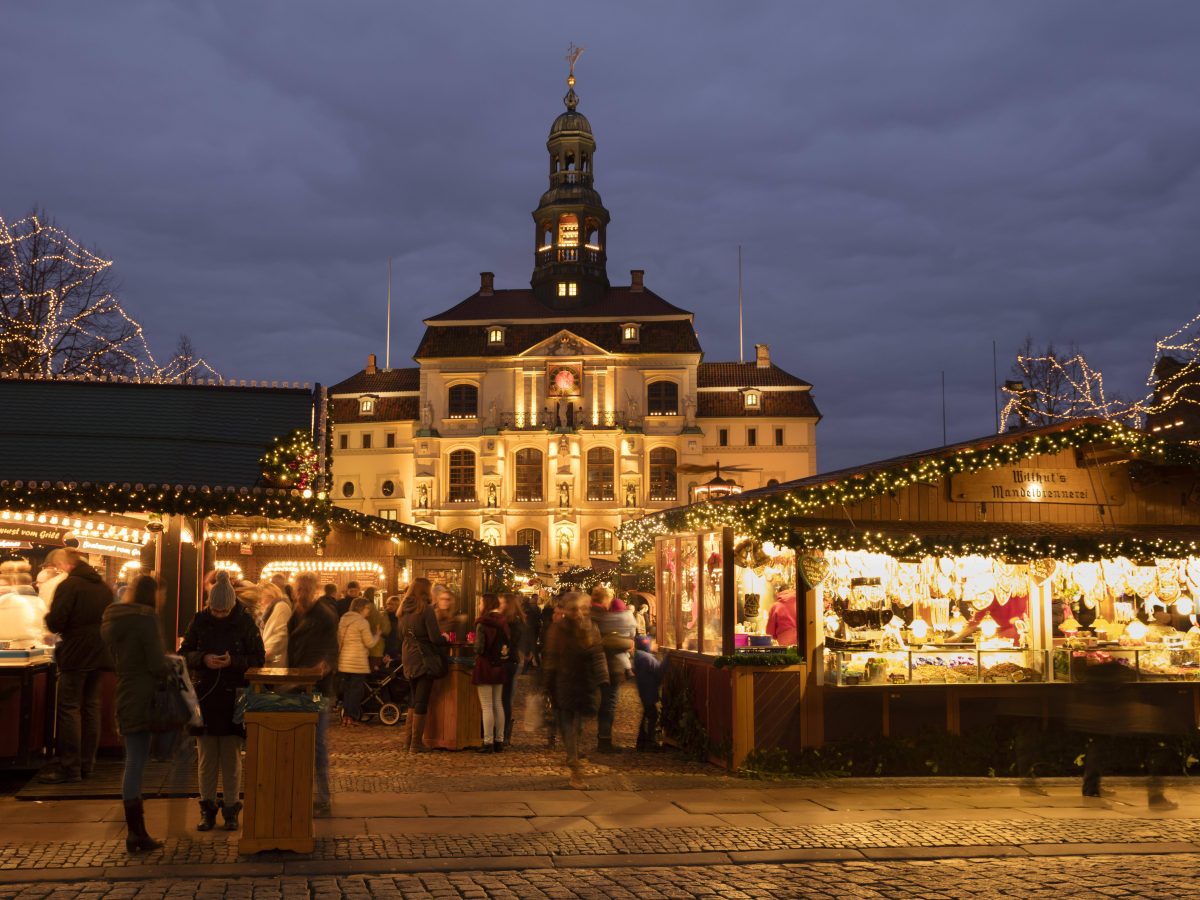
[(618, 605), (221, 595), (642, 642)]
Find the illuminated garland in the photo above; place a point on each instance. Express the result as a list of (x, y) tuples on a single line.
[(206, 502), (291, 462), (770, 518), (41, 325), (1016, 549)]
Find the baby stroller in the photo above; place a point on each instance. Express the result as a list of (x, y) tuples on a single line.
[(387, 695)]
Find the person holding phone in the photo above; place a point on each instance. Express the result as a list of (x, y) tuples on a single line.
[(222, 642)]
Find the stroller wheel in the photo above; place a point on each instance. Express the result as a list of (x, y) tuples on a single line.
[(389, 714)]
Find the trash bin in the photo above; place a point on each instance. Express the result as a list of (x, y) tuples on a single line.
[(280, 760)]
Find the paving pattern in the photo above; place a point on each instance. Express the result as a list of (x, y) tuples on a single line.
[(1124, 876)]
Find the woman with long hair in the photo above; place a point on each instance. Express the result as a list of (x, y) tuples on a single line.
[(418, 626), (312, 642), (574, 669), (130, 632), (514, 617)]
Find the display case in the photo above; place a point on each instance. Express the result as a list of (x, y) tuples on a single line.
[(941, 665), (1145, 663)]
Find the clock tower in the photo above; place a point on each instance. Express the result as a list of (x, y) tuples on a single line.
[(570, 223)]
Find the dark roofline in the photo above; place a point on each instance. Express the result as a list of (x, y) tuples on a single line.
[(294, 387), (667, 312)]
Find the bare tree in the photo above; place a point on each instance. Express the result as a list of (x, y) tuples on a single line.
[(58, 315), (183, 361), (1051, 386)]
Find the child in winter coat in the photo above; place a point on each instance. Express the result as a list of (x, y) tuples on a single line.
[(648, 670)]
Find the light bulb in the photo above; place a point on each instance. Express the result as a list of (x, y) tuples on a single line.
[(1184, 606), (988, 627), (1137, 630), (919, 629)]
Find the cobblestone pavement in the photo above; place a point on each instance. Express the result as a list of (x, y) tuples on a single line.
[(1125, 876), (365, 759), (984, 837)]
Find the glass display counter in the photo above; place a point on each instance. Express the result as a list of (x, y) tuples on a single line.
[(942, 665), (1145, 663)]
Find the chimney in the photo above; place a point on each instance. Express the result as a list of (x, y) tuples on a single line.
[(371, 367), (635, 280), (762, 354), (486, 282)]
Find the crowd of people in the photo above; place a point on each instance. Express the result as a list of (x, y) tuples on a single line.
[(579, 649)]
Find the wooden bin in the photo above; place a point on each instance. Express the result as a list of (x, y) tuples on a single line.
[(280, 764), (455, 719)]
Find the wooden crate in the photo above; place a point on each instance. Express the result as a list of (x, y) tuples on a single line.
[(280, 761)]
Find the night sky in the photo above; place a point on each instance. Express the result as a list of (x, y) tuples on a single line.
[(909, 181)]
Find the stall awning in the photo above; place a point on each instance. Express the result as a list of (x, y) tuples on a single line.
[(1015, 540)]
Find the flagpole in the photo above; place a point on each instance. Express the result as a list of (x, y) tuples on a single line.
[(741, 340), (387, 354)]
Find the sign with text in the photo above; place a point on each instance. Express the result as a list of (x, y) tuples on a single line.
[(110, 548), (1017, 484), (33, 532)]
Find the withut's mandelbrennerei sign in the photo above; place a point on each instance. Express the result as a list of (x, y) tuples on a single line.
[(1016, 484)]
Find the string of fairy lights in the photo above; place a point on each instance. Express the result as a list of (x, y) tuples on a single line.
[(772, 517), (1079, 389), (40, 317)]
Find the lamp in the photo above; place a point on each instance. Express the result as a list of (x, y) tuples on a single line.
[(1136, 630), (1184, 606), (988, 627), (919, 629)]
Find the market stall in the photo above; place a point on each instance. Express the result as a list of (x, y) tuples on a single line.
[(941, 590)]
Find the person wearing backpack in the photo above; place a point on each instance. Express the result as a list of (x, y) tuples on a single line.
[(493, 649)]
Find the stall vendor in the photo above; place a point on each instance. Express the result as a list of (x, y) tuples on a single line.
[(782, 622), (1009, 615)]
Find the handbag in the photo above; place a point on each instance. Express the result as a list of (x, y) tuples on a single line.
[(436, 663), (169, 711)]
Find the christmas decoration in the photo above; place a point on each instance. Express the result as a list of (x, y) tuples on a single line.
[(291, 462)]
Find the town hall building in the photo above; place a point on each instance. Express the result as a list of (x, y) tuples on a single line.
[(550, 414)]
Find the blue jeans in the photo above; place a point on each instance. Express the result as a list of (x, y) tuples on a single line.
[(609, 695), (354, 688), (322, 768), (137, 752)]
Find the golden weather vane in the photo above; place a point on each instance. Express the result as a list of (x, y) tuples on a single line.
[(573, 54)]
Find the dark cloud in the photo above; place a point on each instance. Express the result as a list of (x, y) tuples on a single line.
[(910, 181)]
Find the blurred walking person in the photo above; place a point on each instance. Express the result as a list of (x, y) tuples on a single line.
[(493, 651), (574, 671), (419, 635), (313, 643), (131, 636), (355, 640), (518, 637), (221, 643), (617, 631), (276, 613)]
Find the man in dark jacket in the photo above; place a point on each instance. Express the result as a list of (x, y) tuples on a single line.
[(75, 613)]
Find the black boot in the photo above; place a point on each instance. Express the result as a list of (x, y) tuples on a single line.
[(137, 841), (229, 812), (208, 815)]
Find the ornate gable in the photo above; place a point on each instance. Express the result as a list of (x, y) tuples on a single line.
[(565, 343)]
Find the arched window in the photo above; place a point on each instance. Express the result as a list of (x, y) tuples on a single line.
[(662, 398), (462, 476), (568, 230), (464, 401), (663, 482), (530, 537), (600, 542), (600, 480), (462, 533), (528, 464)]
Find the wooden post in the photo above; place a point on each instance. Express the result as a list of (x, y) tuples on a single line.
[(728, 600)]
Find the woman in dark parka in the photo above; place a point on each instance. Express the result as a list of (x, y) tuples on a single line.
[(130, 632)]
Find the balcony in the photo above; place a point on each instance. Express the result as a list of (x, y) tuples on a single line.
[(588, 254), (546, 420)]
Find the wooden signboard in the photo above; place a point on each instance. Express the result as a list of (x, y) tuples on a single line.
[(1027, 484)]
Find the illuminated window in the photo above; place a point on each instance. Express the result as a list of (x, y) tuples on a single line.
[(568, 231), (662, 398), (567, 289), (462, 476), (753, 400), (530, 537), (462, 533), (495, 336), (600, 542), (629, 334), (600, 471), (528, 463), (389, 514), (663, 480), (366, 406), (464, 401)]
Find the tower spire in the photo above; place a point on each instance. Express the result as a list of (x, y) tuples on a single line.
[(573, 53)]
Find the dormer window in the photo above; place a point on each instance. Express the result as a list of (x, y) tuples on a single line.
[(366, 406), (630, 333), (567, 289), (495, 335), (752, 399)]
